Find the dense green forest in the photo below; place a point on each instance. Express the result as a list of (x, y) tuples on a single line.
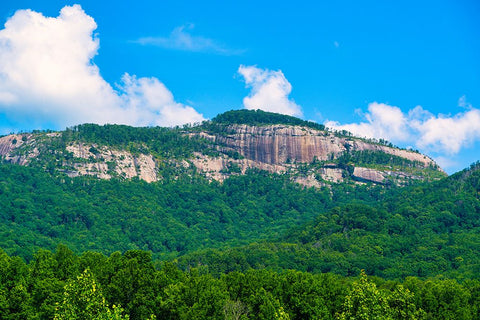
[(161, 142), (169, 217), (253, 220), (422, 230), (63, 285), (254, 246)]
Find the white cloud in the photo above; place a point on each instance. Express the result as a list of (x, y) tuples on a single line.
[(148, 97), (448, 133), (438, 134), (383, 121), (269, 91), (181, 39), (47, 75)]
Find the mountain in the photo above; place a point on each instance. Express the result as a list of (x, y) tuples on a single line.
[(214, 221), (229, 144), (227, 182)]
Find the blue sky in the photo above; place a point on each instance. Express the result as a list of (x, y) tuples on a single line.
[(406, 71)]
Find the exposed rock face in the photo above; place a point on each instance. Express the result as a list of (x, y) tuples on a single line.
[(307, 155), (120, 162), (7, 145), (10, 143), (279, 144), (366, 174), (360, 145), (218, 167), (332, 174), (280, 148)]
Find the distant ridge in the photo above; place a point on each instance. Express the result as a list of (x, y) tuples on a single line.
[(230, 144)]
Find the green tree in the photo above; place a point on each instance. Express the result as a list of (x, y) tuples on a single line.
[(280, 314), (365, 302), (83, 300), (235, 310), (402, 304)]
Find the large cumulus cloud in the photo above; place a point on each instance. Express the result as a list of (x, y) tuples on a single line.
[(47, 75), (443, 136)]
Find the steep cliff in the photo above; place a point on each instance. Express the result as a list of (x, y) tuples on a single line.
[(310, 154), (307, 152), (278, 144)]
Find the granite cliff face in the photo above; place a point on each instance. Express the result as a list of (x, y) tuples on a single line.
[(311, 157), (284, 148), (279, 144)]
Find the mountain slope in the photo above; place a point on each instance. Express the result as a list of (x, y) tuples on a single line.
[(167, 218), (423, 230), (85, 187), (230, 144)]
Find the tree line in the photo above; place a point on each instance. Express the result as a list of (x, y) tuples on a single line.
[(62, 285)]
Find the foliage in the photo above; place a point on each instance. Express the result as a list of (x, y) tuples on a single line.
[(83, 299), (422, 230), (367, 157), (162, 142), (433, 227), (261, 118), (387, 162), (256, 246), (96, 285), (365, 302), (38, 211)]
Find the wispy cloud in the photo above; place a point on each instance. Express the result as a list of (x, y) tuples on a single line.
[(181, 39), (48, 77), (269, 91), (463, 103)]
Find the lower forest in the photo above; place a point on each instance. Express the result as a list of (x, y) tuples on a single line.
[(253, 247)]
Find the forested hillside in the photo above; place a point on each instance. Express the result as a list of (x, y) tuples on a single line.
[(169, 218), (249, 216), (423, 230)]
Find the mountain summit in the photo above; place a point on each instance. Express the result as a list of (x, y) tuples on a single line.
[(229, 144)]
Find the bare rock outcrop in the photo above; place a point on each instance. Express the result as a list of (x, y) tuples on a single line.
[(359, 145), (219, 168), (105, 162), (8, 145), (334, 175), (279, 144), (367, 174), (280, 148), (308, 155)]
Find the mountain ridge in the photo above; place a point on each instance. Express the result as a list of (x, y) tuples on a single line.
[(229, 144)]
